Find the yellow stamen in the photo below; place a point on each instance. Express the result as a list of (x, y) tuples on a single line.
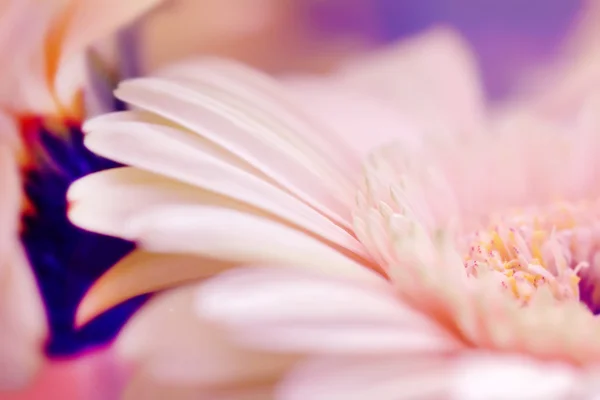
[(512, 283), (498, 245), (537, 238)]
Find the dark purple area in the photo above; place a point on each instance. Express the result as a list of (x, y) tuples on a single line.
[(67, 260)]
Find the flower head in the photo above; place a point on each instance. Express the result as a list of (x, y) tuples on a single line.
[(461, 250), (248, 161)]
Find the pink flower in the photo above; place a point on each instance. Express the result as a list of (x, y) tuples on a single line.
[(226, 161), (366, 341), (421, 272), (506, 275), (232, 169)]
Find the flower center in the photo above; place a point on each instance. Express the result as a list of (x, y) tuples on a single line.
[(553, 247)]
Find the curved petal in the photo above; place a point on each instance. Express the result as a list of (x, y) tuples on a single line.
[(257, 88), (232, 235), (468, 377), (143, 272), (186, 351), (293, 310), (92, 205), (367, 377), (82, 23), (253, 134)]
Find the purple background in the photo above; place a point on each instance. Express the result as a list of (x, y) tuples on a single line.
[(507, 35)]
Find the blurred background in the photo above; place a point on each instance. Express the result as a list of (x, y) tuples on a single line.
[(508, 36)]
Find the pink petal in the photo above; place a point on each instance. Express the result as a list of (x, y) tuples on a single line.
[(92, 376), (85, 22), (142, 272), (231, 235), (359, 378), (489, 377), (433, 74), (21, 311), (185, 350), (256, 135), (295, 310)]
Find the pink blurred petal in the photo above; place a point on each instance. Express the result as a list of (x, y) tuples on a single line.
[(22, 319), (499, 377), (294, 310), (369, 377), (92, 376), (181, 354), (87, 21)]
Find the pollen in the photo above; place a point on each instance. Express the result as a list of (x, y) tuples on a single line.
[(533, 248)]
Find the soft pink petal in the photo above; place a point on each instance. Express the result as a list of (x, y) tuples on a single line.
[(87, 21), (368, 377), (295, 310), (257, 88), (433, 74), (184, 156), (235, 236), (254, 134), (21, 312), (142, 272), (468, 377), (143, 388), (183, 350), (91, 376), (360, 119), (219, 185), (490, 377)]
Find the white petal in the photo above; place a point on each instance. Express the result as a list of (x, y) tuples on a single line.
[(184, 349), (257, 88), (512, 377), (227, 123), (295, 310), (142, 272), (361, 378), (232, 235), (92, 204)]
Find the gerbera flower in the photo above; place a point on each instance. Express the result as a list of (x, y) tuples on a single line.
[(223, 146), (450, 262), (482, 279), (41, 93)]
